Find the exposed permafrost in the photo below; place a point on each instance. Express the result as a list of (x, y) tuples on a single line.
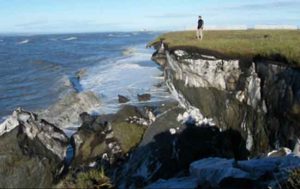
[(296, 150), (253, 88), (260, 100), (206, 73), (220, 74), (249, 140), (192, 114)]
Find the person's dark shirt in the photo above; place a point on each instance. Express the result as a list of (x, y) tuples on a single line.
[(200, 23)]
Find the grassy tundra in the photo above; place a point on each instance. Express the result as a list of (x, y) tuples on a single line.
[(279, 45)]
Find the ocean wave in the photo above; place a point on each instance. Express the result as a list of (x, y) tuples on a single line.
[(24, 41), (129, 51), (118, 77), (129, 66), (118, 35), (134, 33), (70, 38), (47, 64), (126, 75)]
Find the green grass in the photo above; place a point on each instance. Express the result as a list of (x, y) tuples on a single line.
[(94, 178), (282, 45), (129, 135)]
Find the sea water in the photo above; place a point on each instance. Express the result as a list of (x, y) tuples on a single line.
[(37, 70)]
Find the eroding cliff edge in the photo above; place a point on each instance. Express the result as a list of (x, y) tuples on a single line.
[(260, 99), (32, 151)]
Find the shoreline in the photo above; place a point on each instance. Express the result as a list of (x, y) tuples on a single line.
[(219, 108), (55, 61)]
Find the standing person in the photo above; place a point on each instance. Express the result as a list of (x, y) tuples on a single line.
[(200, 28)]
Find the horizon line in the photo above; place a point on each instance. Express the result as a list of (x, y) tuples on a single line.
[(208, 28)]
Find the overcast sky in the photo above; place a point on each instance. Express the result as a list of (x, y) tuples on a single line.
[(56, 16)]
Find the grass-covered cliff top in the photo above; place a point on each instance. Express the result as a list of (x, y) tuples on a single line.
[(280, 45)]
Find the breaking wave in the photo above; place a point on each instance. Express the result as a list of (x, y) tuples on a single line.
[(129, 51), (129, 75), (70, 38), (24, 41)]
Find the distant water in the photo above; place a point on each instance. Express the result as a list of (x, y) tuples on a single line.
[(37, 70)]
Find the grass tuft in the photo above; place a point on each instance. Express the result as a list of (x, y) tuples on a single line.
[(94, 178)]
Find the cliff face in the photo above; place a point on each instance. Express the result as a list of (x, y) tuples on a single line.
[(261, 100), (32, 150)]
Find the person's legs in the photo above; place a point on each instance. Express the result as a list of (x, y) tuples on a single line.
[(201, 33), (198, 34)]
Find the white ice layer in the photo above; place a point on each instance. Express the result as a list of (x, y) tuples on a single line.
[(205, 73), (218, 74), (192, 114)]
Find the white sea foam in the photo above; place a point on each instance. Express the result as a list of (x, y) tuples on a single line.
[(70, 38), (24, 41), (128, 75)]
